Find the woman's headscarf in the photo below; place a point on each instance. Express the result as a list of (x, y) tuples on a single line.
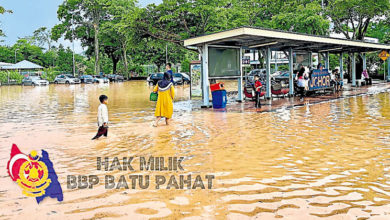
[(166, 83)]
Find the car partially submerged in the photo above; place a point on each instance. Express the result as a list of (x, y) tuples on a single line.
[(154, 78), (86, 79), (181, 79), (115, 78), (100, 79), (66, 79), (34, 81)]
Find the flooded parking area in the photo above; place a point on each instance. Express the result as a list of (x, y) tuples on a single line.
[(329, 160)]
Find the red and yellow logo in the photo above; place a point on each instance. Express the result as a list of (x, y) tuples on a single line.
[(33, 176)]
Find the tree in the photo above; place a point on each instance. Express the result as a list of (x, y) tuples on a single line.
[(176, 20), (86, 17), (3, 11), (304, 18), (42, 36), (117, 31), (352, 18), (124, 13)]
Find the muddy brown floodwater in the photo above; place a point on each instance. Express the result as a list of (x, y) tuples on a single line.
[(328, 160)]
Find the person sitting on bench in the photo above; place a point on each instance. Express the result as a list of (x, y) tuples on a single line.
[(366, 77)]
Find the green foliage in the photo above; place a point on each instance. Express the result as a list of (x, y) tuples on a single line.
[(185, 66), (13, 76), (355, 15), (3, 77), (301, 18), (49, 74), (283, 67)]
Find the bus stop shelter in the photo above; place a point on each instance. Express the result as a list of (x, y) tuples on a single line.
[(222, 53)]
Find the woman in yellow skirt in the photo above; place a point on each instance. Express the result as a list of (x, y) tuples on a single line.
[(166, 94)]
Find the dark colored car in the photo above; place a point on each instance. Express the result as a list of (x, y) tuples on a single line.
[(86, 79), (250, 78), (154, 78), (284, 76), (181, 78)]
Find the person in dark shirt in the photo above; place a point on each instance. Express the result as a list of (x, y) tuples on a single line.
[(258, 87), (168, 67)]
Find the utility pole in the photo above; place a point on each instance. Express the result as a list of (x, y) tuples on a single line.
[(74, 67), (166, 54), (15, 53)]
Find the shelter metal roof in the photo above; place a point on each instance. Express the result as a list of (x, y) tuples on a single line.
[(256, 38), (25, 64)]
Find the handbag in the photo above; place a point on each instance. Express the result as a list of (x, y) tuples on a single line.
[(153, 96)]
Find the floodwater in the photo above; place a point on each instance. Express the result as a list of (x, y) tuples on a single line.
[(322, 161)]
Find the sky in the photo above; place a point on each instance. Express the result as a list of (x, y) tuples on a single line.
[(29, 15)]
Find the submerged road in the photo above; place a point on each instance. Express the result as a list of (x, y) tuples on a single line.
[(326, 160)]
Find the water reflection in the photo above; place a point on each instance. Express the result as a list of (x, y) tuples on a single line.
[(323, 160)]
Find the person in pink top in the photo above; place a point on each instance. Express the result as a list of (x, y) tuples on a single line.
[(366, 77)]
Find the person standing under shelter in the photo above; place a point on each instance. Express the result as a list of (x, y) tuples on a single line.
[(166, 94), (258, 87)]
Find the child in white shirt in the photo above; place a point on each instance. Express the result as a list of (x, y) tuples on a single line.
[(102, 117)]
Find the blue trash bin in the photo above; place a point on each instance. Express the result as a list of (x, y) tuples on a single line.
[(219, 99)]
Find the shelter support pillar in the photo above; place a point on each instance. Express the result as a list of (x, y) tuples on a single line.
[(310, 60), (327, 60), (291, 70), (205, 76), (268, 71), (341, 66), (388, 70), (364, 61), (353, 69), (240, 91)]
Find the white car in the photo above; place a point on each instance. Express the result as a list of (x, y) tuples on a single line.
[(34, 81), (67, 79), (100, 79)]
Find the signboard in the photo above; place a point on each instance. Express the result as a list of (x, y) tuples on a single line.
[(196, 83), (384, 55), (246, 60), (224, 62), (319, 80)]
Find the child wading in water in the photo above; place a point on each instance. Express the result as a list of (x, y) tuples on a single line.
[(102, 118)]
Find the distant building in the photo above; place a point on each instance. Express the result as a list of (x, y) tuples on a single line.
[(24, 67)]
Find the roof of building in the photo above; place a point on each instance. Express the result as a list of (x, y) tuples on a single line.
[(5, 64), (25, 64), (253, 37)]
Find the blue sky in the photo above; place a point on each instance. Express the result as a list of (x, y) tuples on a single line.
[(29, 15)]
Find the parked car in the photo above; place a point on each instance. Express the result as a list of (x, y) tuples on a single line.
[(177, 79), (250, 78), (284, 76), (100, 79), (115, 78), (181, 78), (186, 78), (86, 79), (66, 79), (34, 81), (154, 78)]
